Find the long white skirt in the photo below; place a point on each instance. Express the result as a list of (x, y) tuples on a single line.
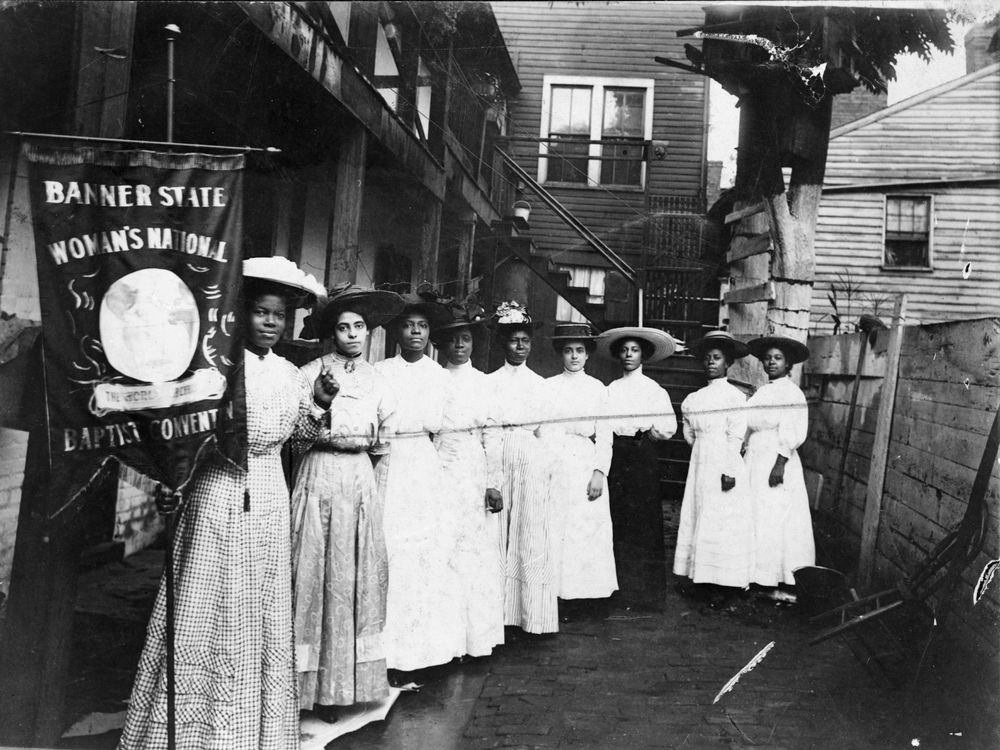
[(423, 620), (782, 523), (584, 548)]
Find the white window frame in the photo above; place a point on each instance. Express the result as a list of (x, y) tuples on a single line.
[(597, 85), (886, 266)]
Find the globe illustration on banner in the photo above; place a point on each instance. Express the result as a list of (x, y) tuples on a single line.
[(149, 325)]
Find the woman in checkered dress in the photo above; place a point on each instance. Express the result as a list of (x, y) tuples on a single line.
[(234, 670)]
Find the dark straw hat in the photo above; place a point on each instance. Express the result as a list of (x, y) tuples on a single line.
[(661, 342), (567, 332), (722, 340), (794, 351), (427, 303), (375, 306), (463, 315)]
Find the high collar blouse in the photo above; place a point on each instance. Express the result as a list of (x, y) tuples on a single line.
[(420, 389), (780, 406), (576, 406), (637, 403), (519, 395), (362, 407)]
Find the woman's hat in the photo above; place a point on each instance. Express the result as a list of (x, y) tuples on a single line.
[(794, 351), (428, 303), (377, 307), (463, 315), (510, 315), (302, 288), (662, 342), (722, 340), (566, 332)]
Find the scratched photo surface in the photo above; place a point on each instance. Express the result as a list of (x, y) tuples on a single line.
[(674, 422)]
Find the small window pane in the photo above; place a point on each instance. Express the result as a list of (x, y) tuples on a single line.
[(907, 231), (570, 110), (624, 113)]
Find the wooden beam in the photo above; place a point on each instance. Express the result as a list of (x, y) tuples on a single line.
[(880, 448), (742, 213), (466, 249), (744, 295), (745, 246), (342, 244), (430, 238), (101, 105)]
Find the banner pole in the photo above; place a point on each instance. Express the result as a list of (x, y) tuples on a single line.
[(134, 142), (172, 30), (171, 524)]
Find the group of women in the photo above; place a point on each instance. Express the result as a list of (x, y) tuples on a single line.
[(434, 505)]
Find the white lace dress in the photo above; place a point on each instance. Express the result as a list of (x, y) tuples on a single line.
[(778, 421), (715, 536), (469, 447), (424, 620)]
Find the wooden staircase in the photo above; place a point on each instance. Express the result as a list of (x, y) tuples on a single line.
[(558, 280), (680, 375)]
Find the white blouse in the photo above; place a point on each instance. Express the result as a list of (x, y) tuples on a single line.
[(470, 407), (519, 394), (576, 405), (419, 390), (637, 403), (780, 406)]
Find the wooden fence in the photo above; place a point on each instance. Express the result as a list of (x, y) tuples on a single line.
[(946, 397)]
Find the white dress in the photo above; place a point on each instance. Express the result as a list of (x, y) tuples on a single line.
[(577, 437), (526, 543), (469, 447), (778, 420), (715, 537), (424, 622)]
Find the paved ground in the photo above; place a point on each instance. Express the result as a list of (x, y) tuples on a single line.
[(613, 679)]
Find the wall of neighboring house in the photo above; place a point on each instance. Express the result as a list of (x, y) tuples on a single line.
[(948, 133), (616, 41), (946, 398)]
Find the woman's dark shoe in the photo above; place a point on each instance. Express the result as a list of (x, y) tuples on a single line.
[(327, 714)]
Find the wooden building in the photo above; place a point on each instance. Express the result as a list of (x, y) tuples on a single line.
[(911, 203), (619, 141)]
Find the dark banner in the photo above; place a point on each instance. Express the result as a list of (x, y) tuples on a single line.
[(139, 266)]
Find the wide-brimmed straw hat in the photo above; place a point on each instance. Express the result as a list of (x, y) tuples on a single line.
[(512, 315), (301, 287), (377, 307), (429, 304), (794, 351), (662, 343), (722, 340), (566, 332)]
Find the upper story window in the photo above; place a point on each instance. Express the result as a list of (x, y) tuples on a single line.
[(908, 231), (594, 130)]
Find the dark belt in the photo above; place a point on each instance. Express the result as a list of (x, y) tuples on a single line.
[(632, 439)]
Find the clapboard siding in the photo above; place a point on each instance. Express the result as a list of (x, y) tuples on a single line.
[(606, 41), (950, 132)]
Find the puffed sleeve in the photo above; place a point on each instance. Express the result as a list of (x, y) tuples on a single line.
[(664, 425), (689, 434), (793, 424), (492, 435), (309, 422), (603, 432)]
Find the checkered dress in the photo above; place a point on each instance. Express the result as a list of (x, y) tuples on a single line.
[(234, 669)]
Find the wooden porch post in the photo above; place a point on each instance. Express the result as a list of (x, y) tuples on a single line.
[(342, 245), (466, 251), (430, 237)]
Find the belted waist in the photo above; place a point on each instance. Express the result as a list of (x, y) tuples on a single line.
[(326, 448)]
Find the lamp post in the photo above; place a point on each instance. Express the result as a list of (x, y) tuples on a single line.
[(173, 31)]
